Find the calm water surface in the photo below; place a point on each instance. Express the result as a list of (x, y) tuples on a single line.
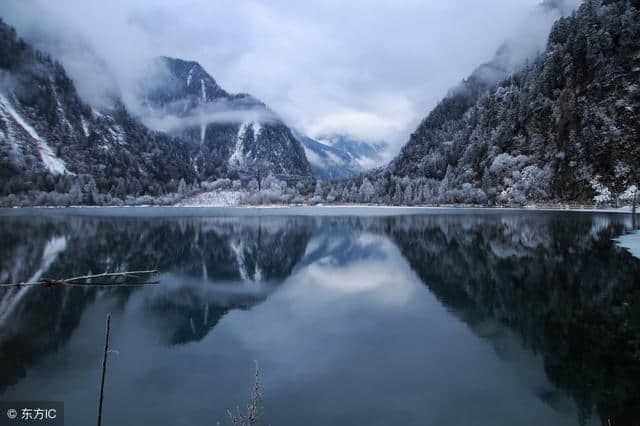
[(355, 317)]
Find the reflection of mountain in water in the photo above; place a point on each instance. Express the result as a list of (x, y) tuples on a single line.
[(209, 267), (557, 280), (246, 259), (337, 245)]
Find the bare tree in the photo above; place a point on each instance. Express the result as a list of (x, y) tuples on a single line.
[(254, 406), (261, 170)]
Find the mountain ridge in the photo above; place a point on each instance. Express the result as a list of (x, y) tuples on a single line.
[(340, 157), (236, 132), (57, 149), (561, 129)]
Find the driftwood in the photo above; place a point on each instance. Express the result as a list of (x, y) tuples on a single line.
[(131, 279)]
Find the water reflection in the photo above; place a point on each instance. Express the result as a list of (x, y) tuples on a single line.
[(560, 282), (528, 318)]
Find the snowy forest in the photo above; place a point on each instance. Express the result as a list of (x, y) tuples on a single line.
[(562, 128)]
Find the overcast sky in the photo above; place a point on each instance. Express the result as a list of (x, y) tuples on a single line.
[(369, 68)]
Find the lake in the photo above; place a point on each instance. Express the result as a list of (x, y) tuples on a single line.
[(354, 316)]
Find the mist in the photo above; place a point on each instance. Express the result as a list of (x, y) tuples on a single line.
[(216, 112), (367, 69)]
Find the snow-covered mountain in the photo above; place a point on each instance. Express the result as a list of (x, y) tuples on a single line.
[(562, 128), (56, 149), (231, 133), (340, 157), (559, 127)]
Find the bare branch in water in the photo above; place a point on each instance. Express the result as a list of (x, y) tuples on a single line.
[(129, 279)]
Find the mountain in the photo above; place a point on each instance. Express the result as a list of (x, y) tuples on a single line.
[(563, 128), (52, 142), (56, 149), (340, 157), (366, 154), (230, 134)]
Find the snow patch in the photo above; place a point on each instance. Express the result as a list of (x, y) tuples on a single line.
[(203, 131), (54, 164), (9, 135), (631, 243), (118, 135), (59, 107), (189, 77), (313, 157), (85, 127), (257, 129), (237, 158), (212, 199)]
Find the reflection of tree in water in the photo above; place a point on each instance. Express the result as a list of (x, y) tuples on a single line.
[(558, 280), (199, 252)]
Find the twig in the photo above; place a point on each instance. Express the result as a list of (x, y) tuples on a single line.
[(77, 281)]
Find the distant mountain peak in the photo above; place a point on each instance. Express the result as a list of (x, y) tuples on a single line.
[(173, 79), (182, 98), (339, 156)]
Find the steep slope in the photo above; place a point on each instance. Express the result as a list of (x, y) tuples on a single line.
[(231, 134), (340, 157), (563, 128), (51, 141)]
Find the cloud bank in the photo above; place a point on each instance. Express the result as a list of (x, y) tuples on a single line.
[(213, 113), (370, 69)]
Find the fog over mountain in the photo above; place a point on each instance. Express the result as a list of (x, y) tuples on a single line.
[(561, 128), (548, 115), (368, 70)]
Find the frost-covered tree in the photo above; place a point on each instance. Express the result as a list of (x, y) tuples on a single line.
[(542, 132), (367, 191), (182, 186)]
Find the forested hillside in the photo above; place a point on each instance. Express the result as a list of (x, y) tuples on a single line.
[(54, 147), (231, 135), (563, 128)]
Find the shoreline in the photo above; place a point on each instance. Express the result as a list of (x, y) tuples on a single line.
[(532, 208)]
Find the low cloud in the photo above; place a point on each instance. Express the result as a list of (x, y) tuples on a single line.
[(371, 69), (178, 115), (171, 123), (357, 124)]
